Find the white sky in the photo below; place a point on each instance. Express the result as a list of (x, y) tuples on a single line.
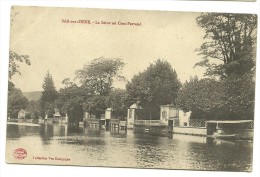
[(63, 48)]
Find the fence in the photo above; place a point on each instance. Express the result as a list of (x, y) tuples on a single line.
[(176, 122), (252, 125), (114, 121), (238, 125), (197, 123)]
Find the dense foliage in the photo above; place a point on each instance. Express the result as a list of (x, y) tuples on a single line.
[(229, 38), (157, 85), (49, 96), (34, 109), (14, 58), (117, 101), (16, 101), (100, 73), (94, 93), (226, 92), (70, 101), (231, 98)]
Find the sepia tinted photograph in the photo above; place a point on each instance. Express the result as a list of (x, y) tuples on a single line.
[(131, 88)]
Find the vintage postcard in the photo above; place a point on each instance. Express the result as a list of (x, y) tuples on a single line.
[(131, 88)]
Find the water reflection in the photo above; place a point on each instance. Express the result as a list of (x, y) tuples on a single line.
[(98, 147), (148, 149), (92, 130), (16, 131), (46, 133)]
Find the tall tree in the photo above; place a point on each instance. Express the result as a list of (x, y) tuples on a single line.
[(230, 98), (202, 97), (229, 38), (34, 109), (238, 97), (117, 102), (49, 95), (16, 100), (13, 59), (71, 99), (156, 86), (95, 105), (100, 74)]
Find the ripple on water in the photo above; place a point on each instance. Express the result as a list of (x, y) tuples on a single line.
[(133, 150)]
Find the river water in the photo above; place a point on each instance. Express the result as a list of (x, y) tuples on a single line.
[(101, 148)]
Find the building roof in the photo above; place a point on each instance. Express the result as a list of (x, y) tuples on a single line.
[(135, 106), (168, 105), (22, 110)]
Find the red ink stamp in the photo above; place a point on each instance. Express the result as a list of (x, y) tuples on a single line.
[(20, 153)]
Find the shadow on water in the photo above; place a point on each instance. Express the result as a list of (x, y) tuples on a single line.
[(46, 133), (72, 129), (146, 139), (93, 131), (169, 135), (216, 154), (149, 150), (17, 131), (209, 141), (98, 146), (120, 135)]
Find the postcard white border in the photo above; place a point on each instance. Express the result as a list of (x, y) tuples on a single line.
[(7, 170)]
